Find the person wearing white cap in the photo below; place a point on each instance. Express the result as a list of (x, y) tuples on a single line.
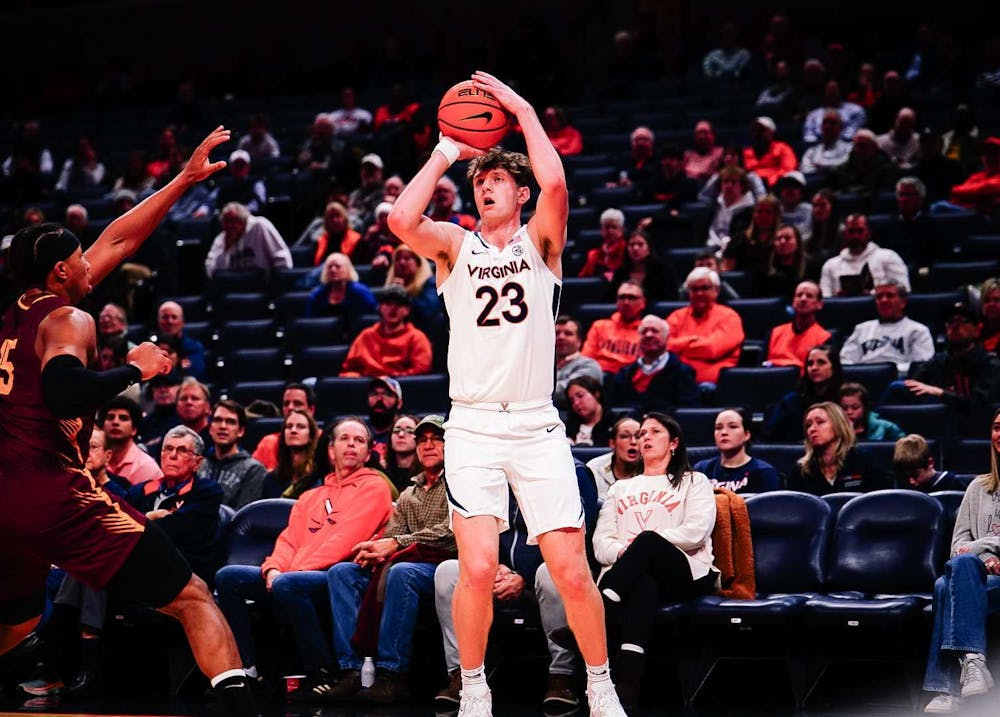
[(791, 189), (249, 191), (363, 200), (766, 156)]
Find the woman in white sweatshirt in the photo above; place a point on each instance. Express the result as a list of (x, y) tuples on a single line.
[(654, 539)]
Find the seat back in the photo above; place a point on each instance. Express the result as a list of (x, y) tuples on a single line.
[(836, 501), (425, 394), (255, 529), (755, 387), (791, 535), (873, 376), (886, 542), (950, 501)]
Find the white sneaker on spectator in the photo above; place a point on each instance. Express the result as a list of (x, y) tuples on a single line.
[(476, 705), (604, 701), (976, 678), (943, 704)]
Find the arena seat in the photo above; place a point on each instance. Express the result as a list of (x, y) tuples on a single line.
[(318, 361), (927, 419), (339, 396), (250, 365), (425, 394), (950, 275), (290, 306), (257, 428), (246, 392), (604, 197), (195, 308), (876, 377), (243, 306), (759, 316), (255, 528), (971, 455), (253, 334), (838, 500), (576, 291), (928, 307), (755, 387), (845, 312), (783, 456), (234, 282), (300, 333), (881, 452), (285, 280)]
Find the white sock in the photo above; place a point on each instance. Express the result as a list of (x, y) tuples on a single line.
[(474, 682), (611, 595), (630, 647), (251, 672), (222, 676), (598, 674)]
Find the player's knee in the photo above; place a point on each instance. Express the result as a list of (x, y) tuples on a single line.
[(195, 592), (477, 572), (572, 579)]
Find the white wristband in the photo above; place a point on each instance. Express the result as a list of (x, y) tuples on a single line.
[(448, 149)]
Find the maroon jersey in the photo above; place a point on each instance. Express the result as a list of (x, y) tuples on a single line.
[(26, 423)]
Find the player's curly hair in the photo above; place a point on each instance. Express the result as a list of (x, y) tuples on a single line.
[(496, 158)]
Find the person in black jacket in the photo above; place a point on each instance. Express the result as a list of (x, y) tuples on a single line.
[(589, 421), (832, 462), (821, 381), (655, 273), (658, 380)]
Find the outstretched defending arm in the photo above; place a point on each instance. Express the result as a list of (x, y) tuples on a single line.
[(127, 233), (548, 226)]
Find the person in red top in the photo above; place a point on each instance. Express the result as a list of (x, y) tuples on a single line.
[(324, 528), (790, 343), (604, 260), (614, 342), (393, 346), (51, 509), (705, 335), (397, 111), (564, 137), (766, 156), (981, 191)]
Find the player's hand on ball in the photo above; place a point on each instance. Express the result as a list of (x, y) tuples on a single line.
[(506, 96)]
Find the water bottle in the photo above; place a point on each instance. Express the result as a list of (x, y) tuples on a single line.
[(368, 673)]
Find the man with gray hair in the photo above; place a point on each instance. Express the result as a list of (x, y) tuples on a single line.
[(658, 380), (246, 242), (892, 337), (443, 202), (913, 232), (185, 506), (705, 335)]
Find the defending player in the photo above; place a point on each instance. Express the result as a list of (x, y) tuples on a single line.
[(501, 289), (51, 511)]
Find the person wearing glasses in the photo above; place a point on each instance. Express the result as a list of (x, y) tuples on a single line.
[(401, 452), (614, 342)]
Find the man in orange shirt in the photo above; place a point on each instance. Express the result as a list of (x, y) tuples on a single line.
[(705, 335), (393, 346), (614, 342), (982, 190), (766, 156), (790, 342)]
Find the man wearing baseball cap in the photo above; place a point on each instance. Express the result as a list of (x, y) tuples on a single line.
[(417, 537), (240, 187), (385, 401), (766, 156), (393, 346), (795, 211), (363, 200)]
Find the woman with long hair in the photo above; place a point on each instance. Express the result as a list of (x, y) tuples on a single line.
[(413, 273), (589, 422), (788, 265), (956, 662), (989, 305), (734, 468), (832, 462), (821, 380), (824, 241), (341, 293), (296, 471), (655, 274), (654, 539), (331, 233), (750, 250), (401, 452)]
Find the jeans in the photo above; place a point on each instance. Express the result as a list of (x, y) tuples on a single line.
[(550, 608), (963, 597), (294, 595), (405, 584)]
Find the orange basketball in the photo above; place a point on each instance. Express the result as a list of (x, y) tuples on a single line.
[(472, 116)]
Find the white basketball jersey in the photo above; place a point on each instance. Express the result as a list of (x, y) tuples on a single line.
[(502, 306)]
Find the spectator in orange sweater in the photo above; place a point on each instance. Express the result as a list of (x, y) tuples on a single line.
[(605, 259), (325, 526), (766, 156), (790, 343), (614, 342), (705, 335), (393, 346), (981, 190)]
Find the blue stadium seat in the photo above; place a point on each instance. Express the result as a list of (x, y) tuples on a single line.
[(576, 162), (604, 197), (255, 334), (251, 365), (698, 424), (301, 332), (242, 307), (195, 308), (291, 306), (318, 361), (587, 239), (759, 316), (257, 428), (881, 452), (587, 179), (588, 453), (954, 275), (255, 528), (337, 396), (845, 312), (576, 291), (927, 307), (783, 456), (581, 218), (587, 314), (237, 282), (981, 247), (927, 419), (971, 455), (951, 501), (836, 501), (246, 392), (425, 394), (285, 280), (755, 387), (876, 377)]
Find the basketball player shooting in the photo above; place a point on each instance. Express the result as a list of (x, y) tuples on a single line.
[(501, 289), (51, 510)]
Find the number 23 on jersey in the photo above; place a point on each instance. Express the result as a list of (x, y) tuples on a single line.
[(515, 314)]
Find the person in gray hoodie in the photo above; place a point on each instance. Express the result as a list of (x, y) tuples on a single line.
[(240, 476)]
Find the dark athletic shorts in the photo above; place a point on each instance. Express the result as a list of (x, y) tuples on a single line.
[(51, 516)]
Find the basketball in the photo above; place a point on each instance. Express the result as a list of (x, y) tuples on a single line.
[(472, 116)]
